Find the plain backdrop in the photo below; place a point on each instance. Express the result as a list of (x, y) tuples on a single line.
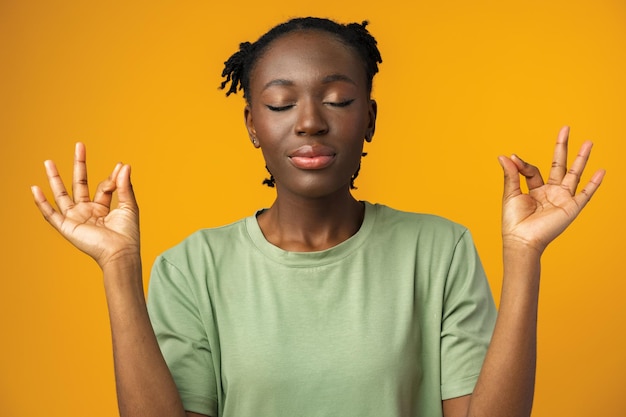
[(462, 82)]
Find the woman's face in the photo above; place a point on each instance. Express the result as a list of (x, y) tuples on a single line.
[(309, 111)]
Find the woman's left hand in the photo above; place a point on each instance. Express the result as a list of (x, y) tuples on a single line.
[(537, 218)]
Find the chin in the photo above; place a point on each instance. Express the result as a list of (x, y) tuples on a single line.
[(314, 189)]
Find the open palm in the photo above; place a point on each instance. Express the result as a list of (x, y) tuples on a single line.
[(538, 217), (91, 225)]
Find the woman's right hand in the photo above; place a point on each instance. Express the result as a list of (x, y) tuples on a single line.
[(107, 235)]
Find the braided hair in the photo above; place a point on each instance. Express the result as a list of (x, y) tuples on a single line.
[(239, 66)]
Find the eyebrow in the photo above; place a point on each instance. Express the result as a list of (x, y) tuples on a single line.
[(278, 81), (337, 77), (326, 80)]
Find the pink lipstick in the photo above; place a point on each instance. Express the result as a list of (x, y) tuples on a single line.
[(312, 157)]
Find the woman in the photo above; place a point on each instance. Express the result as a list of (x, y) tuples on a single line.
[(321, 305)]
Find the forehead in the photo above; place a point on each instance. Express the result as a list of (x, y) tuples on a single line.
[(307, 53)]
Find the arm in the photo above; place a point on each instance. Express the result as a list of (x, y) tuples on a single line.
[(530, 222), (111, 237)]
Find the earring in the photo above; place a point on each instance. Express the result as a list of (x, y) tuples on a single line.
[(254, 141)]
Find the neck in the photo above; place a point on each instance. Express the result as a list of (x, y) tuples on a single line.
[(311, 224)]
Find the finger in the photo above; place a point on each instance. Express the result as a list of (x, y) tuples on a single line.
[(587, 192), (125, 190), (572, 178), (46, 209), (530, 172), (559, 160), (80, 186), (104, 192), (61, 197), (511, 178)]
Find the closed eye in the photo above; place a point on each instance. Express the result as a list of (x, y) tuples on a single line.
[(340, 104), (279, 108)]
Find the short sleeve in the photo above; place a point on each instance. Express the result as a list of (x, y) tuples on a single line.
[(182, 337), (468, 318)]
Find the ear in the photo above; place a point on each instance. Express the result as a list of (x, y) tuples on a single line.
[(247, 115), (371, 126)]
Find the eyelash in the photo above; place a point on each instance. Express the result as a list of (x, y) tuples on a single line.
[(342, 103), (279, 108), (333, 104)]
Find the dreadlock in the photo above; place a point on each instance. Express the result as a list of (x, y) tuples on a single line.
[(239, 66)]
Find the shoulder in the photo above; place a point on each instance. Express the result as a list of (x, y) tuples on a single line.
[(204, 250), (187, 265), (206, 241), (422, 224)]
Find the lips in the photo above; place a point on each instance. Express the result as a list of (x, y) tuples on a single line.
[(312, 156)]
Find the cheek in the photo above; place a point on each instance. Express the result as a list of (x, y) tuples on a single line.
[(352, 126), (271, 127)]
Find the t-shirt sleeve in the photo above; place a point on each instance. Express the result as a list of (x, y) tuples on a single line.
[(182, 337), (467, 322)]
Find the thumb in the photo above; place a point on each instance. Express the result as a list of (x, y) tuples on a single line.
[(511, 178), (125, 190)]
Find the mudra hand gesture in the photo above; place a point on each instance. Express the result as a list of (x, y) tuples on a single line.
[(537, 218), (105, 234)]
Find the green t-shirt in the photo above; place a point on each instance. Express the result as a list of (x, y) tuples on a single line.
[(387, 323)]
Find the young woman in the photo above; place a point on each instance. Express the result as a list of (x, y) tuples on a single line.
[(321, 305)]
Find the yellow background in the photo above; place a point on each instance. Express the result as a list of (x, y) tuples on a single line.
[(462, 82)]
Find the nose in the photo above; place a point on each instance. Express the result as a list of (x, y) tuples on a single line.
[(311, 121)]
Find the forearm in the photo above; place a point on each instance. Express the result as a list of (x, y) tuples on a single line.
[(506, 383), (144, 384)]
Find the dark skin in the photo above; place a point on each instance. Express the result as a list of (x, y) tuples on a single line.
[(313, 97), (309, 111), (291, 103)]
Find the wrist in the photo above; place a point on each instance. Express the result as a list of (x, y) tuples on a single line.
[(121, 259), (519, 246), (521, 265), (123, 272)]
